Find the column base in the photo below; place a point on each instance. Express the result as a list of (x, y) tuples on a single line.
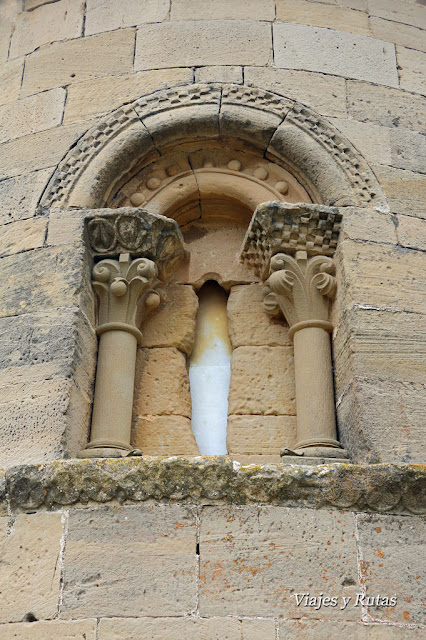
[(108, 450), (308, 460), (300, 455)]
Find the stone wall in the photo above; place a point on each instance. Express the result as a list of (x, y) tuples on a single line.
[(226, 564)]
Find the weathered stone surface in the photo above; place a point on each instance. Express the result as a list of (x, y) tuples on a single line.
[(164, 436), (368, 225), (46, 278), (326, 94), (405, 12), (10, 80), (62, 338), (393, 562), (380, 344), (404, 190), (37, 151), (54, 21), (403, 34), (173, 324), (316, 49), (249, 324), (19, 196), (386, 107), (8, 12), (29, 559), (214, 42), (253, 560), (22, 236), (382, 276), (411, 232), (260, 435), (106, 16), (66, 226), (322, 630), (372, 412), (397, 488), (31, 115), (219, 74), (89, 99), (412, 65), (79, 60), (162, 383), (222, 10), (371, 140), (145, 562), (3, 497), (50, 630), (323, 15), (41, 419), (262, 381), (408, 150), (214, 247), (189, 628)]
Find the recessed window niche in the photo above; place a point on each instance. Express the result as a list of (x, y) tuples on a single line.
[(210, 371)]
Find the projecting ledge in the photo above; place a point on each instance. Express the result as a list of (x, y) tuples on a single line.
[(384, 488)]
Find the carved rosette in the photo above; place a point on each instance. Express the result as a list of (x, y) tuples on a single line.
[(301, 289), (126, 291)]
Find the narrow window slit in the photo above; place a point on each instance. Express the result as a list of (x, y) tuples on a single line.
[(210, 371)]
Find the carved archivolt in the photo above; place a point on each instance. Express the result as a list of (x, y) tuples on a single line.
[(283, 131)]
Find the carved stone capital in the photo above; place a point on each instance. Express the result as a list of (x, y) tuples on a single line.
[(280, 227), (301, 289), (126, 291), (139, 233)]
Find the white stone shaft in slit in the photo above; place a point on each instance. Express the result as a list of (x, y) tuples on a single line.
[(210, 371)]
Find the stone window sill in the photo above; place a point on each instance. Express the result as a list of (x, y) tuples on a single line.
[(383, 488)]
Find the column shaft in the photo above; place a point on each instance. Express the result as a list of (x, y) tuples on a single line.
[(316, 422), (113, 401)]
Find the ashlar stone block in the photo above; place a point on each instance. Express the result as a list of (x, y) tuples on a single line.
[(323, 630), (249, 324), (299, 46), (79, 60), (254, 560), (222, 10), (37, 151), (385, 106), (403, 34), (22, 236), (324, 93), (412, 65), (173, 324), (260, 435), (164, 436), (323, 15), (162, 383), (130, 561), (19, 196), (393, 562), (408, 150), (30, 572), (188, 628), (412, 232), (105, 16), (10, 80), (54, 21), (262, 381), (89, 99), (32, 114), (210, 42), (50, 630), (404, 190)]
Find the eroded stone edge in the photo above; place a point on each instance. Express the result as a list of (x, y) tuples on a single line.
[(382, 488)]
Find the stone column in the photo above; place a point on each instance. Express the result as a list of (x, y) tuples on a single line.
[(127, 293), (300, 287)]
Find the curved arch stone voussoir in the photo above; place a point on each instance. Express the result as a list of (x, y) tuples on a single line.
[(324, 161)]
